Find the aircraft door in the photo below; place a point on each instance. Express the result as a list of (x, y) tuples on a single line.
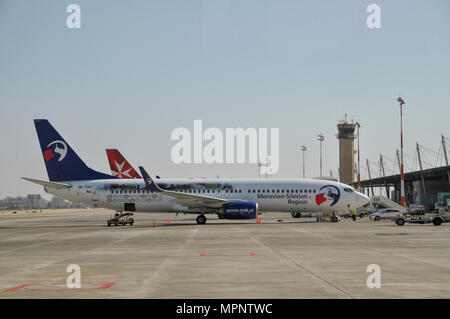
[(95, 195)]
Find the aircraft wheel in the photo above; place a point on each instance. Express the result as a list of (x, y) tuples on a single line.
[(334, 219), (400, 221), (296, 215), (201, 219), (437, 221), (377, 218)]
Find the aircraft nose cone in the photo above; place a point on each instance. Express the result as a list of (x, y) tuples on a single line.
[(363, 199)]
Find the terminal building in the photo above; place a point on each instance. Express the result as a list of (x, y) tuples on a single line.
[(425, 186), (34, 201)]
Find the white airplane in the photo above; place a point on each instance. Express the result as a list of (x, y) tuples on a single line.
[(71, 179)]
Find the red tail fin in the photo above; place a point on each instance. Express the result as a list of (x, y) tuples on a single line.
[(119, 165)]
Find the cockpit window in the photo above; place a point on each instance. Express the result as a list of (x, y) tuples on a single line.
[(349, 190)]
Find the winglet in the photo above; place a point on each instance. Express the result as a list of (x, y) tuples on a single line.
[(149, 183)]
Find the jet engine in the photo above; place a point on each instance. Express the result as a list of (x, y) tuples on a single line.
[(240, 210)]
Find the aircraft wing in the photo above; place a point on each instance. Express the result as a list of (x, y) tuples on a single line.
[(194, 200), (191, 200), (54, 185)]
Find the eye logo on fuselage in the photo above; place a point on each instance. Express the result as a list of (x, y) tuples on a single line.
[(50, 153), (330, 193)]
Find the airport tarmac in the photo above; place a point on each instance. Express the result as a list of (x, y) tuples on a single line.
[(281, 258)]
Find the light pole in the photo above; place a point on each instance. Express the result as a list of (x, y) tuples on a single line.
[(321, 139), (402, 176), (303, 149), (359, 175)]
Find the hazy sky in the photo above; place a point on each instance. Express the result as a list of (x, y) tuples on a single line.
[(136, 70)]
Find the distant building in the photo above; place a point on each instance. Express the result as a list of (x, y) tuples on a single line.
[(33, 201), (57, 202), (13, 202)]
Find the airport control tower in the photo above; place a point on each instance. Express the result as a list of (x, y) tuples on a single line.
[(346, 138)]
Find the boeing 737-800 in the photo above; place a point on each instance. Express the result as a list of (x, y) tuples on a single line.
[(71, 179)]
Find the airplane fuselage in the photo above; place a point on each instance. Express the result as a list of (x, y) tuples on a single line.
[(275, 195)]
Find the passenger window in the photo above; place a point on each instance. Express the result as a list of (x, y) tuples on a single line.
[(240, 191)]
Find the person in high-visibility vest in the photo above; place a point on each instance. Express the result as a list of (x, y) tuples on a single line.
[(354, 214)]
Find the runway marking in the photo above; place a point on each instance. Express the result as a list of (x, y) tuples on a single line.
[(20, 288), (148, 285), (298, 265), (380, 252), (85, 252), (226, 255), (17, 288)]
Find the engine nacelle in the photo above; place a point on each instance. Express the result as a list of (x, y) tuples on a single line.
[(240, 210)]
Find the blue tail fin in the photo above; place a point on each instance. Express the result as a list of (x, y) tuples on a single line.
[(61, 161), (149, 183)]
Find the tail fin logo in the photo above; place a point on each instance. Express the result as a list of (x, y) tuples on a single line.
[(331, 193), (120, 171), (148, 181), (50, 153)]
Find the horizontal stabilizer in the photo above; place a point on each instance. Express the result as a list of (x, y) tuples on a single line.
[(54, 185)]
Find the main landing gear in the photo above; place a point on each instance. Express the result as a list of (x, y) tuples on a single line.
[(296, 215), (335, 218), (201, 219)]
